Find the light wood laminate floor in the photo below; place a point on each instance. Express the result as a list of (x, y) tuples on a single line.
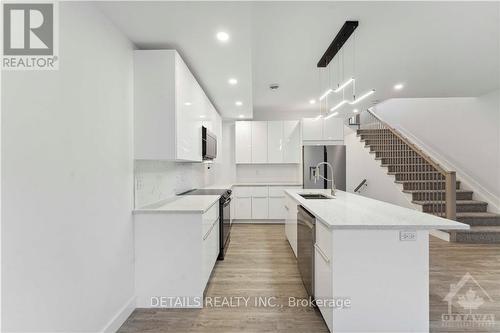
[(260, 263)]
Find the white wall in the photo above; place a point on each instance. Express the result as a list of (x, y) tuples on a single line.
[(67, 181), (463, 133), (360, 164)]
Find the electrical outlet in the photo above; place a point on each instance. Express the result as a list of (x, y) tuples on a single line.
[(406, 236)]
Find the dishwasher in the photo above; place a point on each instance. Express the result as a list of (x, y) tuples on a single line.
[(306, 237)]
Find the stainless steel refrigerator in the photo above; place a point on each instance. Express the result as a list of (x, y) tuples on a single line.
[(335, 155)]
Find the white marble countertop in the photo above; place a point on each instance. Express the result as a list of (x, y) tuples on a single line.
[(352, 211), (181, 204)]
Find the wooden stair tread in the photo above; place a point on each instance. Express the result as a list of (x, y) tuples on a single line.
[(459, 202), (480, 229), (421, 181), (434, 191), (408, 172), (478, 215)]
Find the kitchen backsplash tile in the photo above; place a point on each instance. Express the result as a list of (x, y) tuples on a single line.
[(159, 180)]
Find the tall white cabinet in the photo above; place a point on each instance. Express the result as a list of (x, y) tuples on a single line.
[(259, 141), (169, 108), (265, 142)]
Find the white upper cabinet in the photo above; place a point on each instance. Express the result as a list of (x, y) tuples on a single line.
[(275, 142), (169, 108), (320, 129), (243, 144), (312, 129), (259, 141), (333, 129), (269, 142), (291, 141)]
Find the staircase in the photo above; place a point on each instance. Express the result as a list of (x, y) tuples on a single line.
[(431, 187)]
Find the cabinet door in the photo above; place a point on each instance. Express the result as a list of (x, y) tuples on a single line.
[(312, 129), (259, 141), (187, 113), (275, 142), (260, 209), (243, 208), (243, 142), (291, 142), (333, 129), (323, 284), (277, 208)]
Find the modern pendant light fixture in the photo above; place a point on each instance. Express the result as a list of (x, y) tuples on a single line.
[(343, 85), (339, 105), (362, 97)]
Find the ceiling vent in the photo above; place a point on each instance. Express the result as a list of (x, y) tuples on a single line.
[(274, 86)]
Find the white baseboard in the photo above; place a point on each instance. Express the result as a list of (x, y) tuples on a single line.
[(119, 318)]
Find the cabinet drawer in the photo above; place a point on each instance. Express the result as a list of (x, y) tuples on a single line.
[(259, 191), (324, 238), (209, 217), (242, 191), (276, 191)]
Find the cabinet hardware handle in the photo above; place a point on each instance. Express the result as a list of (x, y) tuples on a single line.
[(325, 258)]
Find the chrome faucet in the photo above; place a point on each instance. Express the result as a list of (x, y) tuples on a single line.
[(318, 175)]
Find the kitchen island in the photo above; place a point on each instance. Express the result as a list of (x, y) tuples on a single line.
[(371, 261)]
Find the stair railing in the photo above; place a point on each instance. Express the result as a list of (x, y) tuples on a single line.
[(435, 186)]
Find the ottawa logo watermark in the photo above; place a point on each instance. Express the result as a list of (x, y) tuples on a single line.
[(467, 297), (30, 35)]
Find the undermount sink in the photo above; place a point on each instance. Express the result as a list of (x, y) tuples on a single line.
[(314, 196)]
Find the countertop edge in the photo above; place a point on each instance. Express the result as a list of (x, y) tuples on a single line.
[(457, 226)]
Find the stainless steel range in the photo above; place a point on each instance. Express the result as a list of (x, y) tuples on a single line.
[(224, 215)]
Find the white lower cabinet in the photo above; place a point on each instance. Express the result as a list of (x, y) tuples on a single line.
[(175, 254), (291, 223), (260, 202), (323, 273), (260, 208)]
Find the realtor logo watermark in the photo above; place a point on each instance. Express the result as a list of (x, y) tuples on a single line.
[(467, 297), (30, 36)]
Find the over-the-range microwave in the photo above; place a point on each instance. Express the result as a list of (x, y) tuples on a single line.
[(208, 144)]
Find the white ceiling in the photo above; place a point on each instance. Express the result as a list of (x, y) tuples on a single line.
[(436, 49)]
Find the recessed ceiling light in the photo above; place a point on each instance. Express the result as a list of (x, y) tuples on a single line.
[(239, 103), (232, 81), (398, 86), (241, 116), (223, 36), (187, 103), (355, 110), (202, 116), (312, 101)]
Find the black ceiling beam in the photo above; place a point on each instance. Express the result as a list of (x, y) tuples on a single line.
[(339, 40)]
